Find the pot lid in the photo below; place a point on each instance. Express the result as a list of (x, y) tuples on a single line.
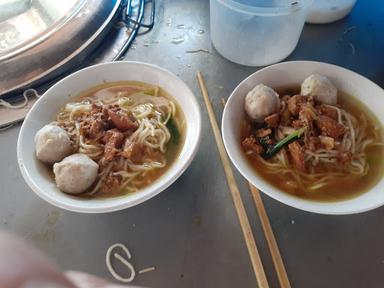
[(39, 39)]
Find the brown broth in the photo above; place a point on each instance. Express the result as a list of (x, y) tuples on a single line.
[(346, 187), (109, 90)]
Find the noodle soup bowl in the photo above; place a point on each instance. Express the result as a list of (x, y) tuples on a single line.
[(39, 177), (292, 74)]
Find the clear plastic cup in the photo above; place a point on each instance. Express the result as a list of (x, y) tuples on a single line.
[(257, 32)]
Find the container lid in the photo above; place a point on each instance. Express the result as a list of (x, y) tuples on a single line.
[(266, 7)]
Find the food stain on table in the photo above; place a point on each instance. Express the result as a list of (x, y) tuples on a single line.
[(197, 221), (46, 231), (53, 217)]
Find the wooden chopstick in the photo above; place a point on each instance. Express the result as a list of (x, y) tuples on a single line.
[(236, 197), (268, 232), (270, 237)]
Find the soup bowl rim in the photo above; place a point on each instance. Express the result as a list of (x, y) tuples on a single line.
[(48, 191), (236, 154)]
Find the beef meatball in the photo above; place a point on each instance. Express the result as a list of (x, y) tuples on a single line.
[(52, 144), (320, 88), (261, 102), (76, 173)]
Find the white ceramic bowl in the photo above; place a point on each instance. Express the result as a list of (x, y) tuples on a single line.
[(46, 108), (323, 11), (290, 73)]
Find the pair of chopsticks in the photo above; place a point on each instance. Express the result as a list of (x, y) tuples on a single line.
[(241, 213)]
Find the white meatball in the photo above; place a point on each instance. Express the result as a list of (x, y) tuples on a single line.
[(260, 102), (76, 173), (52, 144), (320, 88)]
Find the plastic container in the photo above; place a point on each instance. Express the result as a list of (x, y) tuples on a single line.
[(327, 11), (257, 32)]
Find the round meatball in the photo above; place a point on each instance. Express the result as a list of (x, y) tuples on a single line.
[(76, 173), (52, 144), (320, 88), (260, 102)]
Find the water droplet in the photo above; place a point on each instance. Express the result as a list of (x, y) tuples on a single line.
[(120, 24), (180, 26), (201, 31), (178, 40), (82, 13), (178, 57), (189, 66), (169, 21)]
